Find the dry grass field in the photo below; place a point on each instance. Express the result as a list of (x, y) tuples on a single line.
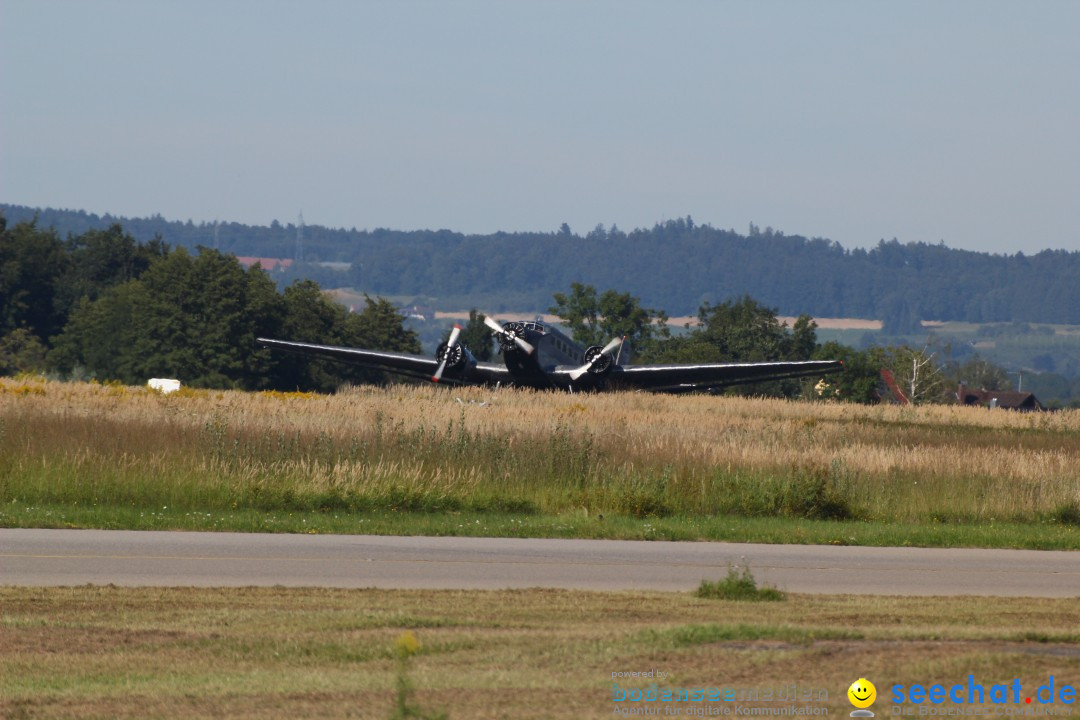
[(283, 653), (110, 455), (421, 449)]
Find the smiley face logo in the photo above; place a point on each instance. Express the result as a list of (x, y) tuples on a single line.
[(862, 693)]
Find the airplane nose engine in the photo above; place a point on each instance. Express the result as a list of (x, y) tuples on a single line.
[(511, 336), (598, 360), (454, 359)]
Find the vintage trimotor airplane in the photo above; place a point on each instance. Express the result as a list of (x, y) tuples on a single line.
[(537, 355)]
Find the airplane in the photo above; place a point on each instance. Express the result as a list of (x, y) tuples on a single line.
[(537, 355)]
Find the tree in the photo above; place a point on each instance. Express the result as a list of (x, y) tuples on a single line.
[(223, 326), (266, 310), (193, 318), (21, 351), (918, 374), (595, 320), (380, 326), (744, 331), (32, 263), (477, 337), (197, 318), (978, 372), (803, 338), (623, 316), (101, 336), (861, 377), (311, 316), (899, 313), (192, 325), (100, 259), (580, 312)]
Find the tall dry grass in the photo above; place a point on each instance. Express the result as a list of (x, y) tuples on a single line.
[(425, 448)]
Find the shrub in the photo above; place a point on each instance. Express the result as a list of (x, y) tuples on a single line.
[(738, 585)]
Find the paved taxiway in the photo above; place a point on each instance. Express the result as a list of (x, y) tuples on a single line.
[(75, 557)]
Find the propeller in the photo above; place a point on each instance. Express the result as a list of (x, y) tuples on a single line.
[(446, 355), (575, 374), (498, 330)]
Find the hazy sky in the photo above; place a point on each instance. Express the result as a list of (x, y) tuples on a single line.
[(854, 121)]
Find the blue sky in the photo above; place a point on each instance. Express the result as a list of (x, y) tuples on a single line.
[(855, 121)]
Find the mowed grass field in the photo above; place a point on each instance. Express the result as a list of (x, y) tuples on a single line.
[(432, 460), (106, 652)]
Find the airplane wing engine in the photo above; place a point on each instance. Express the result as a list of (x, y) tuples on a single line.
[(451, 356), (598, 360)]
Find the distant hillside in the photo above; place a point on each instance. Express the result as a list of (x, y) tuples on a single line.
[(675, 265)]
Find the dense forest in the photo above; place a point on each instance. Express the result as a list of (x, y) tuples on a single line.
[(677, 265)]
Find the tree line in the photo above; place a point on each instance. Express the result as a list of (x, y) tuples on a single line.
[(678, 265), (101, 304)]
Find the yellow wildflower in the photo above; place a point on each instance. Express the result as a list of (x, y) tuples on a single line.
[(407, 644)]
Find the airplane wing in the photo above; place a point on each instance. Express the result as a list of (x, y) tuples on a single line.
[(671, 378), (407, 364), (678, 377)]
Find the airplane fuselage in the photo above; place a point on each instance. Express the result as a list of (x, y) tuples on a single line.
[(554, 350)]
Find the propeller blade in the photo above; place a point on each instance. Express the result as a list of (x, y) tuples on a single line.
[(577, 373), (524, 345), (611, 346), (498, 330), (446, 355)]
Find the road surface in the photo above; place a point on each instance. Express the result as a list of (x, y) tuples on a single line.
[(76, 557)]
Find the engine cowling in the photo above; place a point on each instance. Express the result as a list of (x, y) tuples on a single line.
[(511, 330), (599, 362), (456, 358)]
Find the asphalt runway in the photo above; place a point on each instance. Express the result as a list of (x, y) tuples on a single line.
[(100, 557)]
